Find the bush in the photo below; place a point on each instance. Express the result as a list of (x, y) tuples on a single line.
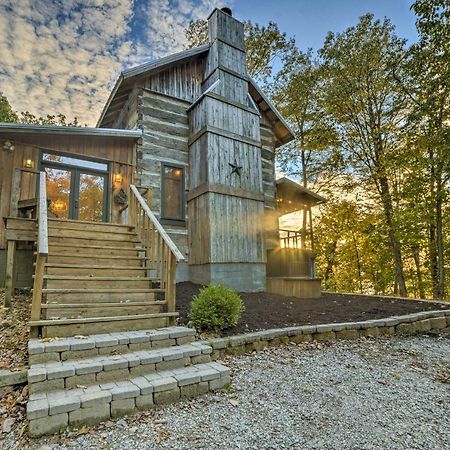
[(215, 308)]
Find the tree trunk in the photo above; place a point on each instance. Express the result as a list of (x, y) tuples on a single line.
[(304, 211), (358, 263), (416, 257), (433, 262), (330, 253), (440, 291), (394, 244)]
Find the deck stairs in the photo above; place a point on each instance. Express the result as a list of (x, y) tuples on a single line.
[(98, 279)]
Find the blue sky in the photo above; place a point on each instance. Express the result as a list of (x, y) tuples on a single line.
[(64, 55)]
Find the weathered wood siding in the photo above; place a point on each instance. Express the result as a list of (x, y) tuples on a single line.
[(182, 81), (228, 229), (271, 225), (164, 122), (121, 152)]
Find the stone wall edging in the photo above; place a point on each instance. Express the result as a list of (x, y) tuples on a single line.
[(426, 321), (392, 297), (13, 377)]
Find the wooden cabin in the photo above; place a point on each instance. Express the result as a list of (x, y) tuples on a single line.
[(176, 183)]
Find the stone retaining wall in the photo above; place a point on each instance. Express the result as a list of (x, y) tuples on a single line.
[(428, 321)]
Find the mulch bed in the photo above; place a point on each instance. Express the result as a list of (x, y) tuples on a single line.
[(264, 311)]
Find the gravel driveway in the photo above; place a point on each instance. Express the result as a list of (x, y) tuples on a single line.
[(368, 394)]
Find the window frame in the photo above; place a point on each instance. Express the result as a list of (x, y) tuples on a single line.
[(171, 220)]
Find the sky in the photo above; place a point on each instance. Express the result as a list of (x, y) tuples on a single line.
[(63, 56)]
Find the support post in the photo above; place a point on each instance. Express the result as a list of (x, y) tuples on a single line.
[(170, 287), (9, 281), (15, 193)]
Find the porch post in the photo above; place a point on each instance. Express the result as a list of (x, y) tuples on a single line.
[(9, 281)]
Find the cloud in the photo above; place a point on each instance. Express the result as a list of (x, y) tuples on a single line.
[(63, 56)]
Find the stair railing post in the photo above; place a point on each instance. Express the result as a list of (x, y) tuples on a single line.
[(42, 253), (170, 285)]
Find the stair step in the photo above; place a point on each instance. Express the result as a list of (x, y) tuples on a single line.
[(101, 260), (98, 241), (90, 249), (42, 351), (49, 412), (91, 234), (90, 325), (98, 305), (117, 282), (63, 223), (95, 270), (99, 290), (84, 310), (102, 368), (77, 295)]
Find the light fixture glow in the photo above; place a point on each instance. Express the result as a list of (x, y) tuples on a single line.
[(28, 163), (118, 178), (59, 205)]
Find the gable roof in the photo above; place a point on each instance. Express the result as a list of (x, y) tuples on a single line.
[(286, 186), (125, 81)]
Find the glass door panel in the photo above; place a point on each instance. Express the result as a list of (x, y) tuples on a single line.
[(58, 192), (90, 203)]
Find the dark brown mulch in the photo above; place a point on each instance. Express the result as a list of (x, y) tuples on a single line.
[(264, 311)]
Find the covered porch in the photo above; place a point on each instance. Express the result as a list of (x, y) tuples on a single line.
[(291, 261), (96, 257)]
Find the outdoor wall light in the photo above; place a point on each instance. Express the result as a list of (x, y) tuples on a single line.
[(118, 178), (28, 163), (59, 205)]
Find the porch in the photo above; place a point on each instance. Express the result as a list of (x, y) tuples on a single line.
[(102, 260), (290, 265)]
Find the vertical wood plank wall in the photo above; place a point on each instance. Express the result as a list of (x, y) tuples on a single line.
[(121, 152)]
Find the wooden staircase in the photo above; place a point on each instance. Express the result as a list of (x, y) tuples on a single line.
[(99, 277)]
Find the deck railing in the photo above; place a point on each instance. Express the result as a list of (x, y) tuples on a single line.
[(42, 249), (161, 252)]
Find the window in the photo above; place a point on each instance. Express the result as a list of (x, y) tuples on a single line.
[(172, 193)]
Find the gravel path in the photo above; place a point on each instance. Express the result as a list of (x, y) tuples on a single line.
[(367, 394)]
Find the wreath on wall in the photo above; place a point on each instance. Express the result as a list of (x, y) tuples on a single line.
[(121, 197)]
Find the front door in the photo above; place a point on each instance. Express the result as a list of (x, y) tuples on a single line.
[(76, 188)]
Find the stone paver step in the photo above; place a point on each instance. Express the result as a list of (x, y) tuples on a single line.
[(78, 347), (51, 376), (48, 412)]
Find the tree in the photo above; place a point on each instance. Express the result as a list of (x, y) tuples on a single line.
[(265, 46), (7, 114), (58, 119), (427, 84), (367, 109), (297, 94)]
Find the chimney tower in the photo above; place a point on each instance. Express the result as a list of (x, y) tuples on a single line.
[(226, 197)]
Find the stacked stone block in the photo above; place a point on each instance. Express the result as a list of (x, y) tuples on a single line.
[(82, 381)]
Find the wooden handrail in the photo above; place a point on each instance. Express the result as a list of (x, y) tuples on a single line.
[(173, 248), (162, 255), (42, 217), (42, 251)]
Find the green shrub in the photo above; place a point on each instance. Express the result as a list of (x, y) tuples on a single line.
[(215, 308)]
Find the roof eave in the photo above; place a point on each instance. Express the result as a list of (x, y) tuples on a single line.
[(110, 99), (56, 129), (302, 189), (290, 133)]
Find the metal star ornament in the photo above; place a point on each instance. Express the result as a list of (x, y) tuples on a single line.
[(235, 168)]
